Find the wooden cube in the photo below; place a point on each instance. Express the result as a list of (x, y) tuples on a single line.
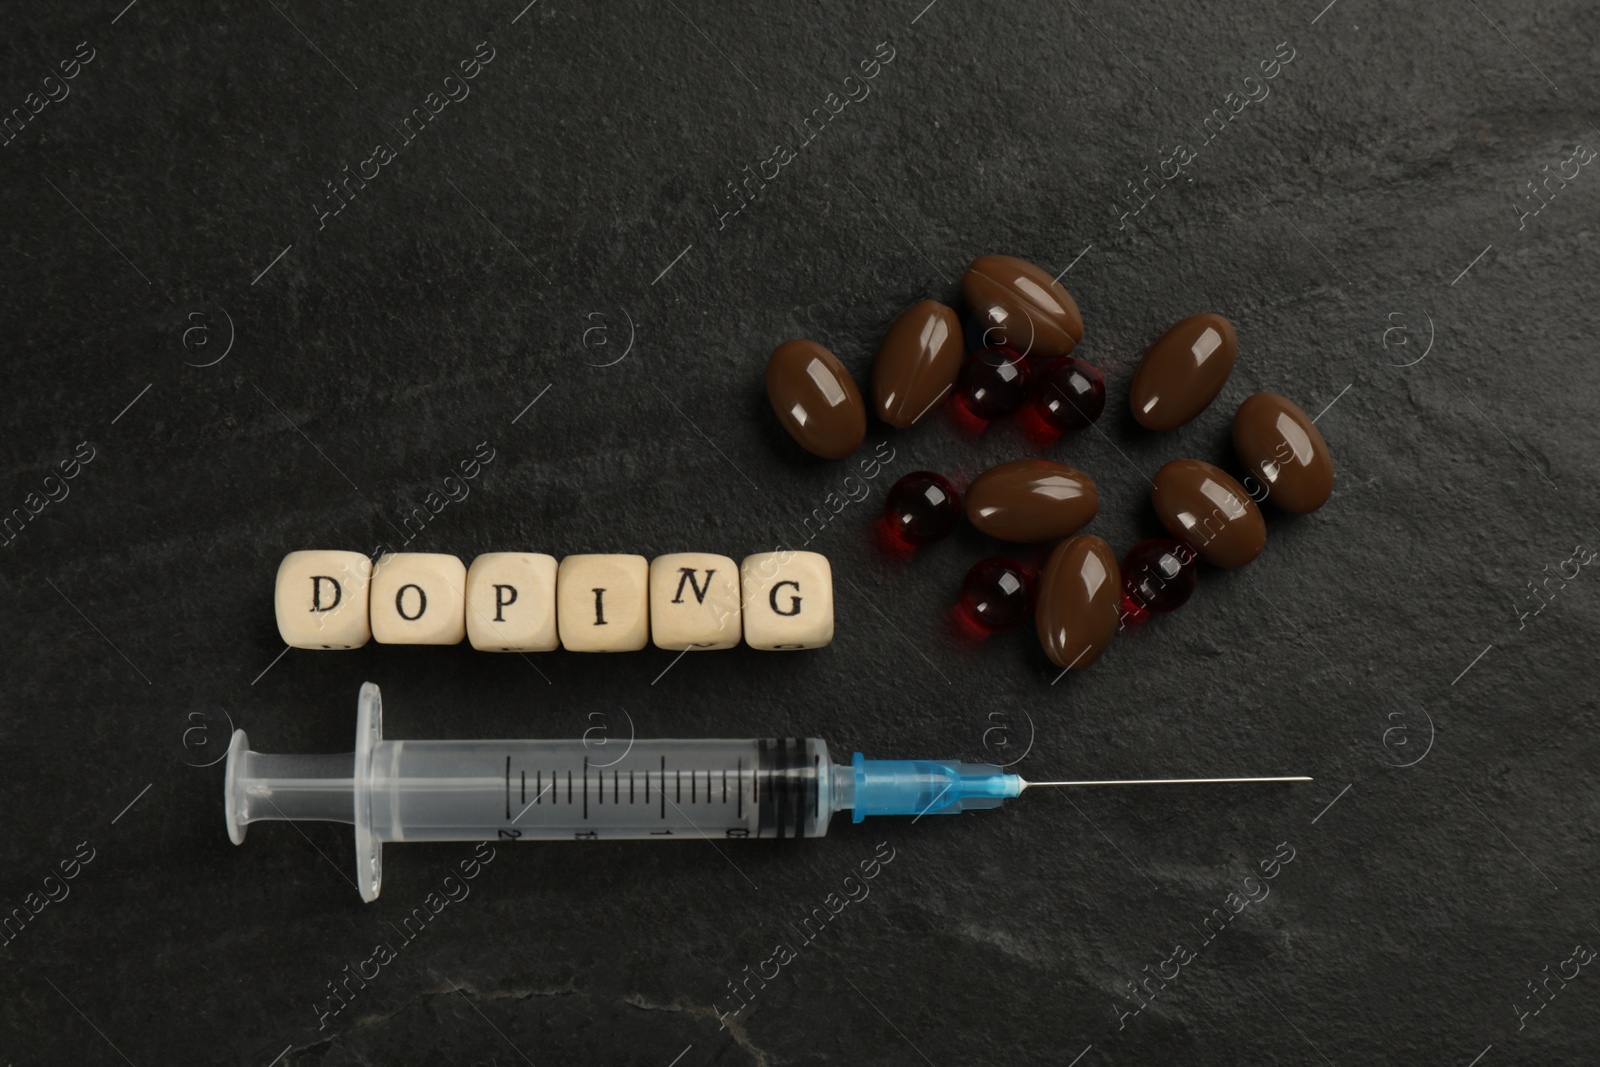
[(694, 601), (419, 598), (788, 600), (321, 599), (603, 603), (511, 602)]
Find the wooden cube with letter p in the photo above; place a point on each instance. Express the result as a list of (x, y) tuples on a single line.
[(511, 602), (788, 600), (321, 599), (694, 601)]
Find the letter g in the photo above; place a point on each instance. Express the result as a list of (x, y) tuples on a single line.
[(794, 600)]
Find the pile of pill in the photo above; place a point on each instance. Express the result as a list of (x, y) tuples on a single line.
[(1022, 329), (530, 602)]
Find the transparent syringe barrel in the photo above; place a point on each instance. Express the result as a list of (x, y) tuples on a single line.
[(566, 790)]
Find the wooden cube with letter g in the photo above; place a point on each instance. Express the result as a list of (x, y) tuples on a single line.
[(787, 600)]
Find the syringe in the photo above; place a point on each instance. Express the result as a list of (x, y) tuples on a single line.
[(576, 790)]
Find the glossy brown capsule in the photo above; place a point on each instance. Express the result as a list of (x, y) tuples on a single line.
[(1183, 372), (1080, 592), (1031, 500), (1019, 305), (1278, 444), (816, 399), (1205, 508), (917, 363)]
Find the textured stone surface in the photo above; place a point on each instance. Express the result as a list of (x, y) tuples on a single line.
[(565, 238)]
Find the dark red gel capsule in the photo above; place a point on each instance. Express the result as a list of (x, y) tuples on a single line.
[(997, 594), (1070, 394), (923, 507), (993, 383), (1158, 575)]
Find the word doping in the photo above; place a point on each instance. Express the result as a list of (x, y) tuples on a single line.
[(55, 90), (453, 891), (1210, 927), (855, 889), (810, 126), (52, 890), (1541, 994), (410, 127), (55, 489), (1582, 156)]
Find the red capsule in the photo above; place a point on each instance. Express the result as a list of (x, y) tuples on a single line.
[(923, 507), (1070, 394), (1158, 576), (997, 594), (993, 383)]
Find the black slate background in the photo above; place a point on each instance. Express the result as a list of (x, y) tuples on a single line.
[(577, 189)]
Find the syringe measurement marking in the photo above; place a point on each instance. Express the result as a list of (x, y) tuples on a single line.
[(540, 789)]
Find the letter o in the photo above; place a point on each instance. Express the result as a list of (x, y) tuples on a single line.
[(399, 601)]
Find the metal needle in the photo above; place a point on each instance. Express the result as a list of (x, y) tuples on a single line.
[(1169, 781)]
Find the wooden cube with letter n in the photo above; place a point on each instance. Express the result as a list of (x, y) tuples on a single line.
[(694, 601)]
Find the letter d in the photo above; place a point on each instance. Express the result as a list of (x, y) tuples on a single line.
[(316, 592)]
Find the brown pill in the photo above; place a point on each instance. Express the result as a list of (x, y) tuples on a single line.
[(1079, 594), (917, 363), (1283, 448), (1183, 371), (1031, 500), (816, 399), (1206, 508), (1020, 306)]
